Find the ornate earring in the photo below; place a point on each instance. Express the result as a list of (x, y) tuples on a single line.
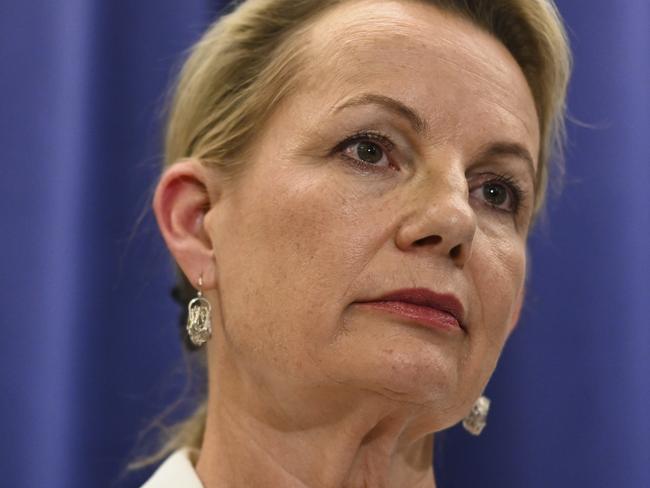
[(199, 326), (476, 419)]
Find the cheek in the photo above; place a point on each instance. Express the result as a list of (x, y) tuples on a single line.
[(499, 274), (292, 249)]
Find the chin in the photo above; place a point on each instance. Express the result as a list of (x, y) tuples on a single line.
[(430, 396), (422, 377), (409, 370)]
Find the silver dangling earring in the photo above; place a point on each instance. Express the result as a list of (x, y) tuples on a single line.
[(199, 326), (476, 419)]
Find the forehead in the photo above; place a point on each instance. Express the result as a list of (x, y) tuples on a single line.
[(440, 63)]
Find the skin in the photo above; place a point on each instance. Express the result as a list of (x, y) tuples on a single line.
[(307, 388)]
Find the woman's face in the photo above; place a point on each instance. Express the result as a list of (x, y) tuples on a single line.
[(351, 195)]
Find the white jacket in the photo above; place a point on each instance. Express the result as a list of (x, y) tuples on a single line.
[(177, 471)]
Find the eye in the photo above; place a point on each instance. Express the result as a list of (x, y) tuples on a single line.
[(369, 152), (496, 193), (367, 149), (501, 192)]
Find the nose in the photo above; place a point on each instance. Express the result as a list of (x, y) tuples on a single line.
[(440, 220)]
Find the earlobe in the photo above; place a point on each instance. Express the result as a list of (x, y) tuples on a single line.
[(181, 200)]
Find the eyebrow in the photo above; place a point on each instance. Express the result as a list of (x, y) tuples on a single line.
[(420, 126), (418, 123), (500, 149)]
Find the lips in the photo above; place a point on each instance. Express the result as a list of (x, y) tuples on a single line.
[(424, 299)]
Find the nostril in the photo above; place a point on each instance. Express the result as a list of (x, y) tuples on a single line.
[(455, 251), (428, 240)]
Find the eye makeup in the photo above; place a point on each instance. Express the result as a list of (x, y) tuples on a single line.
[(494, 183)]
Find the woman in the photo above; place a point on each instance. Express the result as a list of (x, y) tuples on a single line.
[(349, 187)]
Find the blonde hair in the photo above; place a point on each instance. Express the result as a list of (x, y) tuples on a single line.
[(251, 59)]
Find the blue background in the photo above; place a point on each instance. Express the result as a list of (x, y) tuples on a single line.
[(90, 349)]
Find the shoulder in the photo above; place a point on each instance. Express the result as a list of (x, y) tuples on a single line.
[(176, 470)]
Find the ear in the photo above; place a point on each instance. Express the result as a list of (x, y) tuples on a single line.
[(185, 193)]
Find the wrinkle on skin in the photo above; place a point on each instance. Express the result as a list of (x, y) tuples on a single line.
[(329, 390), (363, 37)]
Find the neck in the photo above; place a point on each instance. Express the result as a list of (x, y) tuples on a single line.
[(319, 436)]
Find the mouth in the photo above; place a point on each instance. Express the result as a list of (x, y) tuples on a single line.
[(433, 310)]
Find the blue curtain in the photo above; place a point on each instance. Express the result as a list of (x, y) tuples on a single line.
[(90, 347)]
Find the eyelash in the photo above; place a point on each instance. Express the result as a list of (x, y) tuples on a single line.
[(518, 195)]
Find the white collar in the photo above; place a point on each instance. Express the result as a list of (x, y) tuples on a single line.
[(177, 470)]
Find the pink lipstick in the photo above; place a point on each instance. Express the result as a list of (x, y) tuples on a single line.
[(440, 311)]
